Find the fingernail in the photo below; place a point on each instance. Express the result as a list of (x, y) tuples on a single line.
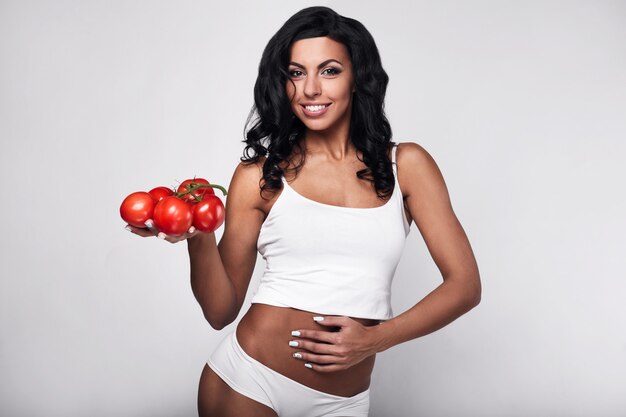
[(297, 355), (308, 365), (318, 318), (128, 228), (148, 224), (192, 229), (161, 235), (295, 333), (293, 343)]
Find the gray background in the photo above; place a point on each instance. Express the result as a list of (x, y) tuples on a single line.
[(522, 104)]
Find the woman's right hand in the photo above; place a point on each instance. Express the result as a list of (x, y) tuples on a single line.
[(151, 230)]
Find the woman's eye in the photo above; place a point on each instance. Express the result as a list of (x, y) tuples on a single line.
[(331, 71), (295, 73)]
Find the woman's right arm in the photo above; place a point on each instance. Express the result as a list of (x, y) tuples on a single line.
[(221, 273)]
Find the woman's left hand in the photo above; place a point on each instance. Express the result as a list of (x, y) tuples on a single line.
[(330, 351)]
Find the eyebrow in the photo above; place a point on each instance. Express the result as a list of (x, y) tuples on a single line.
[(320, 66)]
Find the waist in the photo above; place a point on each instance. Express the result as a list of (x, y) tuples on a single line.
[(264, 333), (333, 294)]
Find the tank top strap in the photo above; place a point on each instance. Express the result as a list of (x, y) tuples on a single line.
[(393, 159)]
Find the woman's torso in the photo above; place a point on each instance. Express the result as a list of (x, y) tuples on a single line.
[(264, 333), (265, 330)]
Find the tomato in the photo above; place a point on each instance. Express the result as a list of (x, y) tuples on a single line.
[(172, 216), (159, 192), (200, 192), (208, 214), (137, 208)]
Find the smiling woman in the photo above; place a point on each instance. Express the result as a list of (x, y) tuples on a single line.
[(321, 84), (332, 231)]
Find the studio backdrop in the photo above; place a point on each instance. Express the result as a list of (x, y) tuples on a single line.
[(521, 103)]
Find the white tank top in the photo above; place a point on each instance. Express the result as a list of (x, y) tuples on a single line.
[(330, 259)]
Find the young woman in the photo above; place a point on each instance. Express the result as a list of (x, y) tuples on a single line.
[(327, 199)]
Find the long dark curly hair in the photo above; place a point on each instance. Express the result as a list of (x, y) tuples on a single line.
[(272, 129)]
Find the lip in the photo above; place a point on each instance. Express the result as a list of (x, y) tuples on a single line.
[(309, 113)]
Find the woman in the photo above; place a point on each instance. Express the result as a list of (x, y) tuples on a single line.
[(328, 203)]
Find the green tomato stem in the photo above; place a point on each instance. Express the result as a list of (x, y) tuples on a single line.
[(195, 186)]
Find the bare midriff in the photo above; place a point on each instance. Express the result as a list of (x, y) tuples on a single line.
[(264, 334)]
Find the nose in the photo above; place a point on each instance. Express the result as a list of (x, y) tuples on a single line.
[(312, 86)]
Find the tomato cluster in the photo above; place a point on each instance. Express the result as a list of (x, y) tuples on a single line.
[(174, 211)]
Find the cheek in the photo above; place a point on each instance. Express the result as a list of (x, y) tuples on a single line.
[(342, 90)]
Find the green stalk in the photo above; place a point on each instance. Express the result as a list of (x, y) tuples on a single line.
[(193, 187)]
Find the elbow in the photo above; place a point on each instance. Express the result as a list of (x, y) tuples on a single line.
[(475, 300), (220, 315), (218, 323), (474, 293), (468, 292), (218, 326)]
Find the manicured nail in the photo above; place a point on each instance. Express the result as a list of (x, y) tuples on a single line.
[(318, 318), (308, 365), (128, 228), (192, 229), (161, 235), (297, 355), (293, 343), (295, 333), (148, 224)]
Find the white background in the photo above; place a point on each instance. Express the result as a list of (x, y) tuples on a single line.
[(522, 104)]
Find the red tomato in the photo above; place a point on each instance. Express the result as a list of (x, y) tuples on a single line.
[(208, 214), (200, 192), (159, 192), (137, 208), (172, 216)]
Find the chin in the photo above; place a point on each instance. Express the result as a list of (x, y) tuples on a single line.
[(316, 127)]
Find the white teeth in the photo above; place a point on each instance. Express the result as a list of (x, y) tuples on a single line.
[(315, 108)]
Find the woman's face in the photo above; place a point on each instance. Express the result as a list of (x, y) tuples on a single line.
[(321, 84)]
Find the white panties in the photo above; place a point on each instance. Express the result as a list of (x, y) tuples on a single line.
[(287, 397)]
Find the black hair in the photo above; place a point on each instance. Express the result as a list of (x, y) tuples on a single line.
[(274, 131)]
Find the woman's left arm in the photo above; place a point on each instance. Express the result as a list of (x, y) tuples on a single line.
[(429, 204)]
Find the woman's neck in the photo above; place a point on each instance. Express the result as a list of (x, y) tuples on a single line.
[(335, 146)]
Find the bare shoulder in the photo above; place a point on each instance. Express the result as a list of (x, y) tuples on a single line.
[(244, 186), (417, 170), (411, 153)]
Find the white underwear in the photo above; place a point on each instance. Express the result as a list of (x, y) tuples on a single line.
[(287, 397)]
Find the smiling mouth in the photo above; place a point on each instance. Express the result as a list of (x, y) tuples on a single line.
[(315, 109)]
